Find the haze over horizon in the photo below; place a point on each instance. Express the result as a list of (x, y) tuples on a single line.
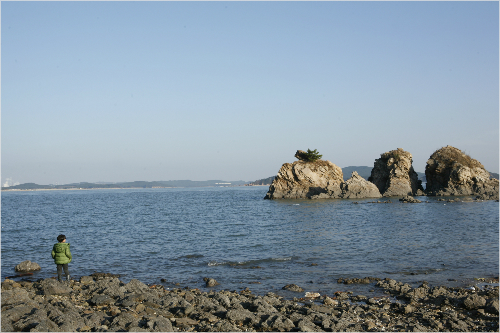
[(150, 91)]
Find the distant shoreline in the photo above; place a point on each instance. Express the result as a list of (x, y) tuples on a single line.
[(111, 188), (74, 189)]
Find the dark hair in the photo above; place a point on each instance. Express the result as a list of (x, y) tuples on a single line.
[(60, 238)]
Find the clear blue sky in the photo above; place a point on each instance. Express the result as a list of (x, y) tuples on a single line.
[(125, 91)]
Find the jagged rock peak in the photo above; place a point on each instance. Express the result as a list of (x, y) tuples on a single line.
[(393, 174), (449, 171)]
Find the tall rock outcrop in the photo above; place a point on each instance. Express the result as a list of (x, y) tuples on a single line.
[(302, 179), (393, 174), (449, 171)]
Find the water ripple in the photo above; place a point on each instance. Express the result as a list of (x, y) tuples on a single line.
[(236, 237)]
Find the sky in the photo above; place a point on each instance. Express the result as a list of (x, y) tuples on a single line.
[(149, 91)]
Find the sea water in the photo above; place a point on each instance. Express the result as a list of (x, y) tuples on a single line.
[(178, 236)]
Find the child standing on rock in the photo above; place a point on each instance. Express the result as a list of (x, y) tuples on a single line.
[(62, 257)]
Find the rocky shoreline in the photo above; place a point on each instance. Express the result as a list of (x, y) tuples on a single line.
[(103, 303)]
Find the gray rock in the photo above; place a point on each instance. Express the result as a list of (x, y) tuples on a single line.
[(490, 195), (36, 322), (209, 282), (439, 291), (449, 171), (420, 193), (393, 174), (101, 300), (206, 305), (224, 326), (161, 324), (172, 300), (492, 306), (184, 311), (97, 276), (86, 279), (185, 322), (241, 316), (418, 293), (114, 290), (137, 297), (54, 287), (95, 319), (474, 301), (14, 296), (127, 303), (272, 299), (52, 311), (409, 199), (293, 287), (6, 325), (110, 286), (123, 320), (27, 266), (261, 306), (358, 187), (8, 284), (278, 322), (307, 180), (17, 312), (321, 309), (305, 325), (69, 321), (223, 300), (457, 326), (136, 286)]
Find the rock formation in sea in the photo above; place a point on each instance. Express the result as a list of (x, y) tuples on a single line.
[(409, 199), (27, 266), (302, 179), (318, 180), (393, 174), (358, 187), (449, 171)]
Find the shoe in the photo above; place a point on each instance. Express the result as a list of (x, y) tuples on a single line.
[(67, 277)]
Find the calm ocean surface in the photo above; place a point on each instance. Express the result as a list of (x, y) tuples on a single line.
[(234, 236)]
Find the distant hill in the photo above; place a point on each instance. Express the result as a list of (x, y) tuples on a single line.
[(265, 181), (363, 171), (421, 176), (136, 184), (494, 175)]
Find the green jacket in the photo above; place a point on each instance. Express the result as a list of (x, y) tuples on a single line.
[(61, 253)]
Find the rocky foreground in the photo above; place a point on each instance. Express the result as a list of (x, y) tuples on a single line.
[(103, 303)]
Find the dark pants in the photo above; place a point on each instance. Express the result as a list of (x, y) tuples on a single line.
[(59, 271)]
